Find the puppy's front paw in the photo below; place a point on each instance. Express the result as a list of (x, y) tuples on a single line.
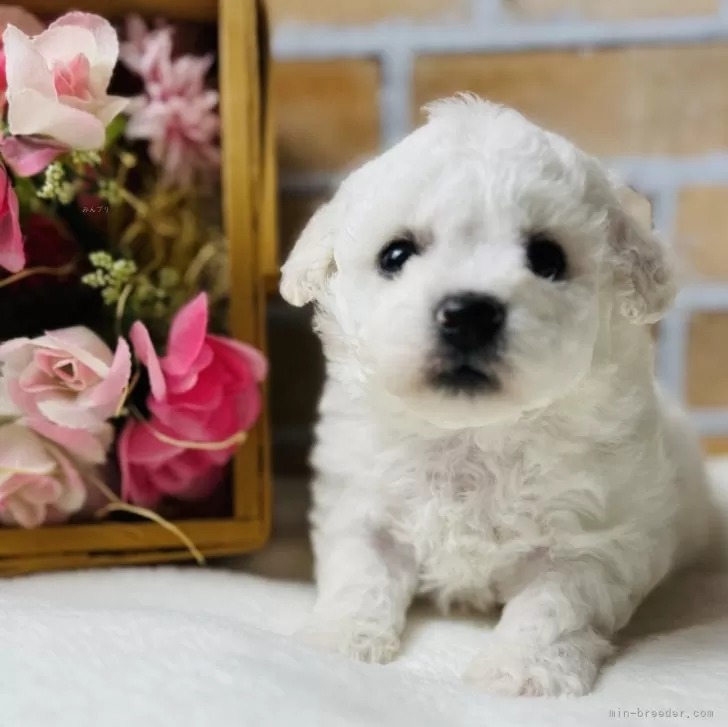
[(360, 640), (557, 670)]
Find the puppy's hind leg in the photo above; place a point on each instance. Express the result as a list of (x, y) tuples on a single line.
[(366, 581)]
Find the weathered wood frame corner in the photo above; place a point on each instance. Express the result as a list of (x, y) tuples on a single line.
[(249, 205)]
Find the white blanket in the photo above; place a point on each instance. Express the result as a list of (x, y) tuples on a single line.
[(181, 647)]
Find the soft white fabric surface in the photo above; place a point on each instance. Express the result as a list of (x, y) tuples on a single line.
[(182, 647)]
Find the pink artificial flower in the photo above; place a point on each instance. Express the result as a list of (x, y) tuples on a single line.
[(20, 18), (39, 482), (29, 155), (182, 133), (25, 155), (152, 469), (12, 251), (183, 78), (148, 53), (90, 447), (176, 114), (57, 82), (3, 80), (68, 377), (205, 389)]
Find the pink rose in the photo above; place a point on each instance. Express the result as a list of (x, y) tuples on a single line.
[(39, 482), (204, 390), (12, 253), (29, 155), (68, 377), (57, 81), (20, 18)]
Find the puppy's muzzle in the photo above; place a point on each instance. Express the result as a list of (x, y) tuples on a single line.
[(470, 323), (469, 329)]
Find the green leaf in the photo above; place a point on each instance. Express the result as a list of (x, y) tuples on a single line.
[(25, 190), (115, 129)]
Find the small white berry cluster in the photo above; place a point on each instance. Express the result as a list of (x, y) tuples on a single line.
[(110, 276), (56, 186)]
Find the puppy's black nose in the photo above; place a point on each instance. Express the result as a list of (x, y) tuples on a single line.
[(469, 321)]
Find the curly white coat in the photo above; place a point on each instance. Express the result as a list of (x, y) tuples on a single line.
[(566, 495)]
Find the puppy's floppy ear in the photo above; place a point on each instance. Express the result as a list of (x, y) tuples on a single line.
[(644, 274), (311, 262)]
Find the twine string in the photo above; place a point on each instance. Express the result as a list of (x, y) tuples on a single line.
[(157, 518), (116, 504), (235, 440), (59, 272)]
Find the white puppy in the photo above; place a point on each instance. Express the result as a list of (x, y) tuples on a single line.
[(491, 432)]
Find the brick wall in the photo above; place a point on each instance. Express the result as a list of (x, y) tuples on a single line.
[(642, 83)]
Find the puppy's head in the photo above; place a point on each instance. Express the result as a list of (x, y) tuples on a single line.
[(467, 274)]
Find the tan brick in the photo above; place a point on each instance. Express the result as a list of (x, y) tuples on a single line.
[(715, 446), (707, 373), (610, 9), (294, 211), (612, 101), (701, 231), (328, 113), (356, 12)]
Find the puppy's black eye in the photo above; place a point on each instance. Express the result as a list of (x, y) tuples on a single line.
[(546, 258), (395, 254)]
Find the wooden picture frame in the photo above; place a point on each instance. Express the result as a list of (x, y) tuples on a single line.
[(248, 178)]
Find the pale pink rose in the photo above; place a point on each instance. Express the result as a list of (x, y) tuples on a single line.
[(20, 18), (68, 377), (58, 81), (205, 389), (25, 155), (90, 447), (39, 482), (3, 80), (12, 250)]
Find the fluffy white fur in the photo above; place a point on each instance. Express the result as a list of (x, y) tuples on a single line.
[(566, 495)]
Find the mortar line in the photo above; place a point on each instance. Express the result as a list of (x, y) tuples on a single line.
[(486, 12), (664, 211), (397, 65), (657, 173), (671, 346), (671, 349), (321, 41), (705, 296), (710, 422)]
